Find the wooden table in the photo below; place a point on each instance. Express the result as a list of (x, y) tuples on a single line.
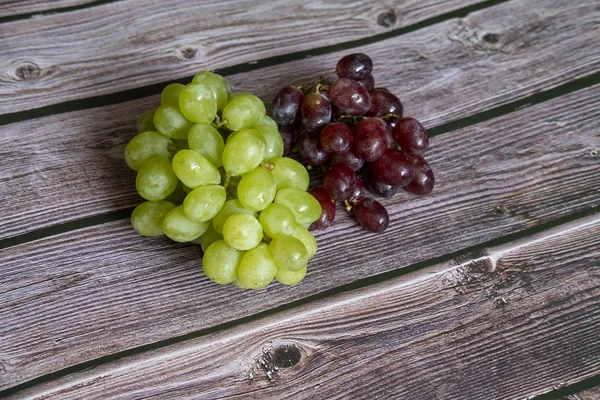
[(489, 288)]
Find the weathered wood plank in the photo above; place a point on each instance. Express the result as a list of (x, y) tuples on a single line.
[(107, 286), (510, 324), (590, 394), (86, 53), (438, 78), (18, 7)]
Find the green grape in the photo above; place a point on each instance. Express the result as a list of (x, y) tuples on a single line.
[(171, 122), (178, 195), (257, 189), (180, 228), (273, 139), (277, 219), (307, 239), (229, 208), (194, 170), (180, 144), (238, 284), (204, 139), (145, 122), (243, 111), (289, 252), (198, 103), (185, 188), (209, 237), (230, 136), (219, 86), (170, 94), (147, 218), (257, 268), (268, 121), (305, 207), (289, 277), (156, 179), (204, 202), (242, 231), (146, 145), (289, 173), (244, 152), (221, 261)]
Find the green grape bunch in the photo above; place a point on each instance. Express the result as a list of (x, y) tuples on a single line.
[(210, 166)]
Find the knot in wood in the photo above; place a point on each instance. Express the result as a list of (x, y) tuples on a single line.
[(27, 71), (387, 19), (273, 359), (491, 38), (187, 53)]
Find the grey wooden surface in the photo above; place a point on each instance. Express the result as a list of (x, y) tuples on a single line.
[(487, 288)]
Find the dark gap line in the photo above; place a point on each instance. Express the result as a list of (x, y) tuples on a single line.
[(156, 88), (463, 254), (474, 119), (18, 17), (569, 390)]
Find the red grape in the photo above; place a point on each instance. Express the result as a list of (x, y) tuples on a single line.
[(359, 189), (355, 66), (370, 138), (394, 168), (350, 97), (316, 110), (286, 105), (368, 82), (371, 215), (310, 148), (336, 137), (384, 102), (377, 186), (327, 206), (288, 134), (339, 182), (348, 158), (411, 136), (423, 181)]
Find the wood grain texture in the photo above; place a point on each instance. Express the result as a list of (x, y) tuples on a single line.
[(17, 7), (172, 39), (590, 394), (515, 322), (439, 79), (92, 292)]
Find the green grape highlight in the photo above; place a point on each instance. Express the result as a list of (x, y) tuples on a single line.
[(277, 219), (156, 179), (242, 231), (146, 145), (243, 111), (147, 218), (221, 261), (194, 169), (257, 268), (170, 94), (289, 173), (170, 122), (257, 189), (244, 152), (230, 207), (180, 228), (204, 202), (289, 252), (205, 140), (198, 103), (217, 84), (145, 122), (303, 205), (289, 277)]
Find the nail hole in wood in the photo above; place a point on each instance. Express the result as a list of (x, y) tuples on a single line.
[(387, 19), (491, 37)]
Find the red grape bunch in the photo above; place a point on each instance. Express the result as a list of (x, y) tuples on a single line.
[(357, 133)]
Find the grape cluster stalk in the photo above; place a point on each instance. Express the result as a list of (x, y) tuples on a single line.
[(357, 133), (210, 166)]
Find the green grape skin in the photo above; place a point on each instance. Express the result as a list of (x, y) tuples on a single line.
[(273, 140), (230, 207), (170, 122), (277, 219), (195, 170), (266, 121), (197, 103), (205, 140), (231, 136), (220, 262), (178, 195), (209, 237), (307, 238), (244, 152), (238, 284), (289, 173), (243, 111), (146, 145), (170, 94), (156, 180), (289, 277), (204, 202), (289, 252), (180, 228), (257, 189), (257, 268), (242, 231), (147, 218), (303, 205), (186, 189), (145, 122), (219, 86)]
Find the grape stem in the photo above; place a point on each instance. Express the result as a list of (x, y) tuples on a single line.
[(268, 165), (347, 206), (226, 183)]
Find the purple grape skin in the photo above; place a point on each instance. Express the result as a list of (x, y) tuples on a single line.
[(340, 182), (411, 136), (371, 215), (316, 110), (310, 148), (288, 135), (350, 97), (368, 82), (355, 66), (286, 105), (394, 168), (336, 137), (384, 102), (377, 186), (370, 139), (348, 158), (327, 206), (424, 181), (359, 189)]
